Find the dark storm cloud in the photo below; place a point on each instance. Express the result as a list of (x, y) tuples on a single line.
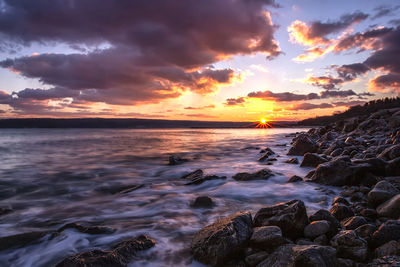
[(154, 50), (337, 93), (351, 71), (286, 96), (322, 29), (41, 94)]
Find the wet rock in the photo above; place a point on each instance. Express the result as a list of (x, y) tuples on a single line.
[(354, 222), (389, 249), (386, 261), (202, 202), (303, 144), (340, 200), (290, 217), (350, 246), (327, 216), (267, 237), (393, 167), (358, 197), (394, 180), (390, 153), (365, 231), (120, 255), (390, 230), (341, 211), (197, 177), (301, 255), (321, 240), (223, 240), (336, 152), (93, 230), (175, 160), (295, 179), (333, 172), (309, 174), (382, 192), (119, 189), (390, 208), (254, 259), (20, 240), (260, 175), (316, 228), (268, 150), (4, 211), (369, 213), (292, 161), (312, 160)]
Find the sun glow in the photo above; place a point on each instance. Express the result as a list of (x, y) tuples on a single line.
[(263, 123)]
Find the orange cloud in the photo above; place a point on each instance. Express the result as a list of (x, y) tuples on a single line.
[(388, 83)]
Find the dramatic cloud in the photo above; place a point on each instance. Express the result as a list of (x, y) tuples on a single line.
[(331, 93), (351, 71), (326, 82), (384, 11), (308, 106), (363, 41), (286, 96), (235, 101), (149, 50)]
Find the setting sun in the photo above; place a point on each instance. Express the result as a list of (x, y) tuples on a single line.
[(263, 121)]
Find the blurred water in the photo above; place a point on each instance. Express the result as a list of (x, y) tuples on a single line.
[(52, 177)]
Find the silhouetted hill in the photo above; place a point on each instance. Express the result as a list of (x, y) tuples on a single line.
[(125, 123), (360, 110)]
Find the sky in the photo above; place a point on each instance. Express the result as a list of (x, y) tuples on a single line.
[(218, 60)]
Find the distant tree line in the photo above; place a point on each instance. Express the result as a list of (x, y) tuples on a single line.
[(355, 111)]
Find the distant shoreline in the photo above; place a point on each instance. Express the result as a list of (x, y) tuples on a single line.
[(131, 123)]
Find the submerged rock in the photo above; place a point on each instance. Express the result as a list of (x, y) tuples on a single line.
[(260, 175), (292, 161), (301, 255), (223, 240), (20, 240), (202, 202), (120, 255), (175, 160), (290, 217), (295, 179), (197, 177), (93, 230)]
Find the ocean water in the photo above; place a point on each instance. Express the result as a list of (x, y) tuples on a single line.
[(50, 177)]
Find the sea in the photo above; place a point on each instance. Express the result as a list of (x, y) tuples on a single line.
[(51, 177)]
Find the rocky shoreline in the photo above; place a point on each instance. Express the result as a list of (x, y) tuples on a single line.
[(362, 228)]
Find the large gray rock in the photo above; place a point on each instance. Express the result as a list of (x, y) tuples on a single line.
[(390, 153), (260, 175), (388, 249), (120, 255), (340, 211), (301, 255), (316, 228), (327, 216), (390, 230), (291, 217), (267, 237), (303, 144), (382, 192), (390, 208), (312, 160), (217, 243), (350, 246)]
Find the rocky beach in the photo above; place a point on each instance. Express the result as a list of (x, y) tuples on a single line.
[(354, 162)]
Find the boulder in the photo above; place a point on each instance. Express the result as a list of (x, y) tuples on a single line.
[(290, 217), (382, 192), (197, 177), (295, 179), (354, 222), (390, 208), (312, 160), (369, 213), (301, 255), (390, 153), (120, 255), (254, 259), (327, 216), (340, 211), (386, 261), (393, 167), (267, 237), (260, 175), (202, 202), (93, 230), (394, 180), (303, 144), (388, 249), (390, 230), (316, 228), (340, 200), (350, 246), (223, 240), (333, 172), (366, 231)]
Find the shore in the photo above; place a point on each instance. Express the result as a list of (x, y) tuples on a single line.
[(358, 157)]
